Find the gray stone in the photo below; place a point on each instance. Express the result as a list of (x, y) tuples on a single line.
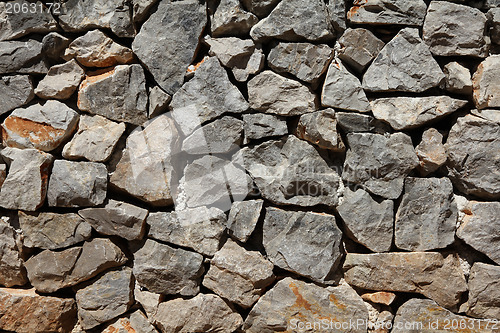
[(148, 300), (118, 94), (291, 304), (61, 81), (26, 184), (367, 222), (95, 49), (261, 8), (117, 218), (202, 313), (400, 12), (105, 298), (198, 228), (108, 14), (410, 112), (491, 115), (473, 147), (455, 30), (358, 47), (238, 275), (12, 271), (431, 152), (77, 184), (308, 244), (52, 231), (161, 48), (381, 176), (230, 19), (32, 18), (95, 139), (484, 291), (431, 274), (305, 61), (22, 57), (337, 13), (488, 4), (404, 64), (457, 79), (54, 45), (296, 20), (49, 271), (243, 218), (135, 322), (351, 122), (158, 102), (272, 93), (320, 129), (15, 91), (493, 16), (142, 8), (486, 91), (261, 125), (165, 270)]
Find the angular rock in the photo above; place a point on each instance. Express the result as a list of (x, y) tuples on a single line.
[(493, 16), (77, 184), (243, 218), (15, 91), (49, 271), (380, 318), (135, 322), (238, 275), (484, 291), (22, 57), (431, 152), (26, 184), (52, 231), (12, 271), (145, 169), (337, 13), (158, 102), (380, 176), (455, 30), (305, 61), (202, 313), (400, 12), (473, 148), (261, 8), (95, 139), (95, 49), (290, 244), (272, 93), (36, 19), (159, 47), (491, 115), (165, 270), (380, 297), (24, 311), (486, 91), (118, 94), (296, 20), (61, 81), (372, 225), (431, 274), (43, 127), (291, 304), (457, 79), (410, 112), (358, 47), (148, 300), (351, 122), (404, 64), (261, 125), (54, 45), (197, 228), (320, 129), (230, 19), (105, 298)]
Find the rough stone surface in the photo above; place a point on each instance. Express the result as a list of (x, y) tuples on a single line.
[(431, 151), (486, 91), (61, 81), (15, 25), (158, 101), (135, 322), (358, 47), (351, 122), (401, 12), (54, 45), (320, 129), (493, 16), (457, 79), (147, 299), (484, 291), (380, 297), (22, 57), (230, 19), (15, 91), (261, 8), (12, 272), (261, 125), (243, 218)]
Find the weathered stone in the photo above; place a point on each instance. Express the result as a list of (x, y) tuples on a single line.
[(410, 112), (114, 14), (238, 275), (197, 228), (305, 61), (305, 243), (452, 29), (380, 176), (320, 129), (36, 19), (52, 230), (493, 16), (400, 12), (431, 274), (135, 322), (261, 125), (49, 271), (26, 184), (148, 300), (15, 91), (291, 304), (24, 311), (95, 49), (165, 270), (54, 45), (473, 148), (431, 152), (145, 169), (12, 272), (486, 91), (230, 19), (43, 127), (380, 297), (117, 94), (272, 93), (367, 222), (380, 318), (3, 173), (337, 14), (490, 115), (77, 184), (488, 4), (351, 122), (484, 294), (158, 101), (296, 20), (94, 140), (159, 47), (358, 47), (457, 79), (105, 298), (404, 64), (61, 81), (261, 8), (202, 313), (243, 218), (22, 57)]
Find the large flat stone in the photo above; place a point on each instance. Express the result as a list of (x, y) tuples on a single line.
[(22, 57), (400, 12)]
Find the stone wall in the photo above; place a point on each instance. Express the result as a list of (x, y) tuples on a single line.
[(250, 166)]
